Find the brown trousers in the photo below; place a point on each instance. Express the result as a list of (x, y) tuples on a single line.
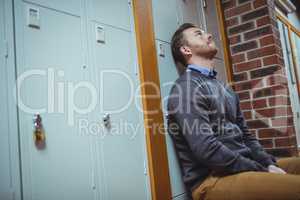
[(254, 185)]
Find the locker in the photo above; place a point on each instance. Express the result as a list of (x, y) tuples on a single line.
[(52, 53), (122, 151), (73, 7), (166, 19), (9, 167), (4, 136), (189, 12), (79, 74), (115, 12)]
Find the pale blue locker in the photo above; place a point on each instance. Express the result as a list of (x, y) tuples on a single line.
[(68, 58), (121, 155), (73, 7), (166, 18), (50, 46), (9, 154), (114, 13)]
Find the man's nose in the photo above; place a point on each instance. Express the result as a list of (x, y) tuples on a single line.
[(209, 36)]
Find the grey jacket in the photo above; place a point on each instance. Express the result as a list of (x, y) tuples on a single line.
[(209, 131)]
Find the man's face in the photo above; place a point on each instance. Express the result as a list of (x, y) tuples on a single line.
[(199, 43)]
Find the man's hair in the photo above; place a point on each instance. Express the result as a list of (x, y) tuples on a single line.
[(178, 41)]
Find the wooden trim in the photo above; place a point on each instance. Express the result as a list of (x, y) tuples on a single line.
[(288, 24), (227, 57), (148, 67), (294, 61), (291, 29)]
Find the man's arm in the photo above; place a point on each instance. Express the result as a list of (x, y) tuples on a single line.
[(257, 151), (193, 119)]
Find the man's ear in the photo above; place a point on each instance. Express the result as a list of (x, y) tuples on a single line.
[(186, 51)]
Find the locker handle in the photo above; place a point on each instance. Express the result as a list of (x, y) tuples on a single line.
[(39, 133)]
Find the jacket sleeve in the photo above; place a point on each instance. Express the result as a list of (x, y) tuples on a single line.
[(192, 117), (257, 151)]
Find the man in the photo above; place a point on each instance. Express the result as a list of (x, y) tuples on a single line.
[(219, 158)]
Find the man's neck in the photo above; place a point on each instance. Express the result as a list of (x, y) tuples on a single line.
[(203, 62)]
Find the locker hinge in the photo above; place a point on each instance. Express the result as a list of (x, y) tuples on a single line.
[(145, 168), (298, 115), (204, 3), (6, 49)]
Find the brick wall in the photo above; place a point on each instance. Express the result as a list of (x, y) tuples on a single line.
[(259, 74)]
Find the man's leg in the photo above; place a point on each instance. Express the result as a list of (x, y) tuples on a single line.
[(250, 186), (291, 165)]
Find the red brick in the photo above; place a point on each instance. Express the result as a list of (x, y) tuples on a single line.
[(260, 103), (258, 33), (244, 95), (266, 71), (240, 77), (273, 112), (232, 22), (244, 47), (258, 123), (276, 132), (238, 58), (276, 80), (228, 4), (247, 115), (283, 142), (266, 143), (282, 121), (283, 152), (276, 101), (237, 10), (266, 40), (246, 105), (271, 91), (280, 90), (255, 13), (270, 60), (263, 21), (247, 65), (259, 3), (248, 85), (235, 39), (262, 52)]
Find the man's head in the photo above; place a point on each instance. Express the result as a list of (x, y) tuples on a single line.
[(189, 42)]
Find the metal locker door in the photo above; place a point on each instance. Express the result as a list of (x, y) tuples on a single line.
[(4, 136), (9, 168), (190, 12), (74, 7), (168, 75), (166, 19), (50, 68), (120, 139), (113, 12)]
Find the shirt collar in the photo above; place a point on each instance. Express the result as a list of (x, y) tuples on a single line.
[(203, 70)]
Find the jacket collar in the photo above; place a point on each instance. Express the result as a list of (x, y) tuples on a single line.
[(203, 70)]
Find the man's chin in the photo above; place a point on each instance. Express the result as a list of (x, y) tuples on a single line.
[(213, 53), (208, 53)]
